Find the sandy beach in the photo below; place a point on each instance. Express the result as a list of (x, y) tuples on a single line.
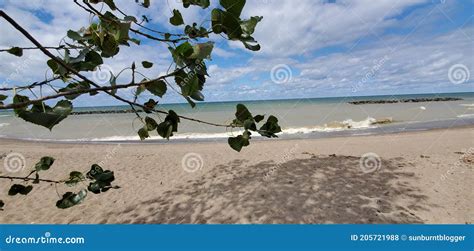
[(422, 177)]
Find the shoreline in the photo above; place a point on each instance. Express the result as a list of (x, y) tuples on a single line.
[(220, 140), (423, 177)]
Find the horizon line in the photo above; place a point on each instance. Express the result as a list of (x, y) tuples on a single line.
[(282, 99)]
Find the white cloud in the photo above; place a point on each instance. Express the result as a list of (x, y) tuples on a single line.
[(289, 34), (297, 27)]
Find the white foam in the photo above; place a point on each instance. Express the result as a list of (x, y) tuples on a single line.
[(466, 115), (347, 124), (178, 136), (467, 105), (4, 124), (335, 126)]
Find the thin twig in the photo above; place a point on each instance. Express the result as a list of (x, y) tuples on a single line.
[(30, 179), (29, 86), (72, 70)]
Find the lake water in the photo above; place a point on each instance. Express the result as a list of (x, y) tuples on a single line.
[(299, 118)]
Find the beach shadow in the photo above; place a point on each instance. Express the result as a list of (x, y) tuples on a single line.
[(317, 189)]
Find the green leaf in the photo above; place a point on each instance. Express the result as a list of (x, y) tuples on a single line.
[(150, 105), (177, 18), (98, 173), (44, 164), (258, 118), (147, 64), (124, 28), (143, 133), (109, 3), (102, 179), (157, 87), (181, 54), (43, 115), (113, 82), (242, 113), (74, 178), (130, 19), (189, 85), (202, 3), (57, 69), (95, 171), (223, 21), (74, 35), (146, 3), (93, 58), (185, 50), (202, 51), (169, 125), (136, 41), (250, 43), (17, 51), (71, 199), (270, 128), (195, 32), (240, 141), (248, 26), (75, 87), (165, 130), (150, 124), (197, 95), (109, 46), (249, 124), (233, 6), (19, 189), (36, 181)]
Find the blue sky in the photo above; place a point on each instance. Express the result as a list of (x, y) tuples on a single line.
[(309, 48)]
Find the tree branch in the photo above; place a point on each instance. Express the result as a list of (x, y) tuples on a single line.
[(36, 48), (69, 68), (30, 179), (98, 13), (29, 86)]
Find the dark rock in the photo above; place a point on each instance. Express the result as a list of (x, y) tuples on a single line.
[(411, 100)]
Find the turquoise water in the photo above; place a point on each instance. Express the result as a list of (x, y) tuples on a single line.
[(299, 118)]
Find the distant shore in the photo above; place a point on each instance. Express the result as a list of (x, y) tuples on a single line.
[(410, 100), (419, 177), (359, 102)]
